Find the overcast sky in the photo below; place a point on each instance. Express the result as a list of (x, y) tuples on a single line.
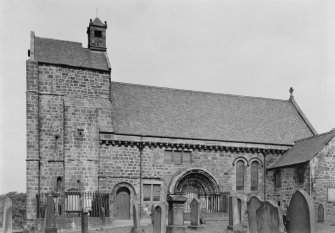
[(253, 48)]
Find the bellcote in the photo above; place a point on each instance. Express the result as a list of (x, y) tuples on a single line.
[(96, 32)]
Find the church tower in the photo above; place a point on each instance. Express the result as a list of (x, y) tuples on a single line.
[(96, 32)]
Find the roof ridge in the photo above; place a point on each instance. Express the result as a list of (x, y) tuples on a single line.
[(196, 91), (67, 41), (302, 115), (317, 135)]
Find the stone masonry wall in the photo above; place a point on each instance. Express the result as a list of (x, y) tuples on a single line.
[(61, 102), (122, 164), (323, 176)]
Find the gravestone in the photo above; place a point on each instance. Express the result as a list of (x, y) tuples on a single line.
[(195, 214), (136, 219), (269, 218), (152, 214), (321, 213), (7, 216), (300, 213), (203, 212), (176, 214), (50, 219), (253, 204), (235, 208), (159, 220)]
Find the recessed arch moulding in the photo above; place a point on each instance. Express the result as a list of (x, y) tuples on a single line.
[(202, 179)]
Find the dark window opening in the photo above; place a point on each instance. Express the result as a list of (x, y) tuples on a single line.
[(300, 174), (277, 178), (59, 184), (97, 33)]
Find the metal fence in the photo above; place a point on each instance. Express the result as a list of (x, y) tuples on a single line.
[(211, 202), (71, 204)]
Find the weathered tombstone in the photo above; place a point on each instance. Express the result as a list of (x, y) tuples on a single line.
[(136, 219), (253, 204), (202, 216), (269, 218), (152, 214), (84, 221), (321, 213), (300, 213), (159, 225), (7, 216), (50, 219), (230, 213), (195, 214), (176, 214)]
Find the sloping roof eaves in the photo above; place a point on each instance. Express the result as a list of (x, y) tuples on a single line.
[(304, 150), (166, 112), (308, 123), (68, 53)]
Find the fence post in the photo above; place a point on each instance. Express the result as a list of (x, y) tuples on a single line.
[(84, 221)]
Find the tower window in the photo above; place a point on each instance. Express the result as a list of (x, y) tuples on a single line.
[(97, 33)]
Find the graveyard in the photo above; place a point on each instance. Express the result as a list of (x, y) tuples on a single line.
[(259, 217)]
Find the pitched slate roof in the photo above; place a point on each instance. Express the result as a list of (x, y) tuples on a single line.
[(97, 22), (155, 111), (304, 150), (68, 53)]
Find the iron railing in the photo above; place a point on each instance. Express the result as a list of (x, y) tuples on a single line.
[(71, 204), (210, 202)]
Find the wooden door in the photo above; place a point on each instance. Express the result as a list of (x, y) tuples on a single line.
[(122, 203)]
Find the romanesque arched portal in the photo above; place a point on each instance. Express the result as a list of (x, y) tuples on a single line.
[(196, 183)]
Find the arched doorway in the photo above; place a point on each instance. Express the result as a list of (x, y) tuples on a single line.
[(122, 203), (197, 183)]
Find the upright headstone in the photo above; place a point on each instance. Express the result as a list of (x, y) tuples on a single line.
[(269, 218), (195, 214), (234, 222), (136, 220), (176, 214), (84, 221), (159, 220), (230, 213), (253, 204), (7, 216), (50, 219), (300, 213), (152, 214)]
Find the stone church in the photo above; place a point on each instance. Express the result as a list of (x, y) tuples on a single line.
[(137, 143)]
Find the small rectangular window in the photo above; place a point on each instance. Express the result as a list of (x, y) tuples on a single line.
[(277, 178), (156, 192), (146, 192), (168, 156), (300, 174), (97, 33), (177, 157), (186, 157)]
